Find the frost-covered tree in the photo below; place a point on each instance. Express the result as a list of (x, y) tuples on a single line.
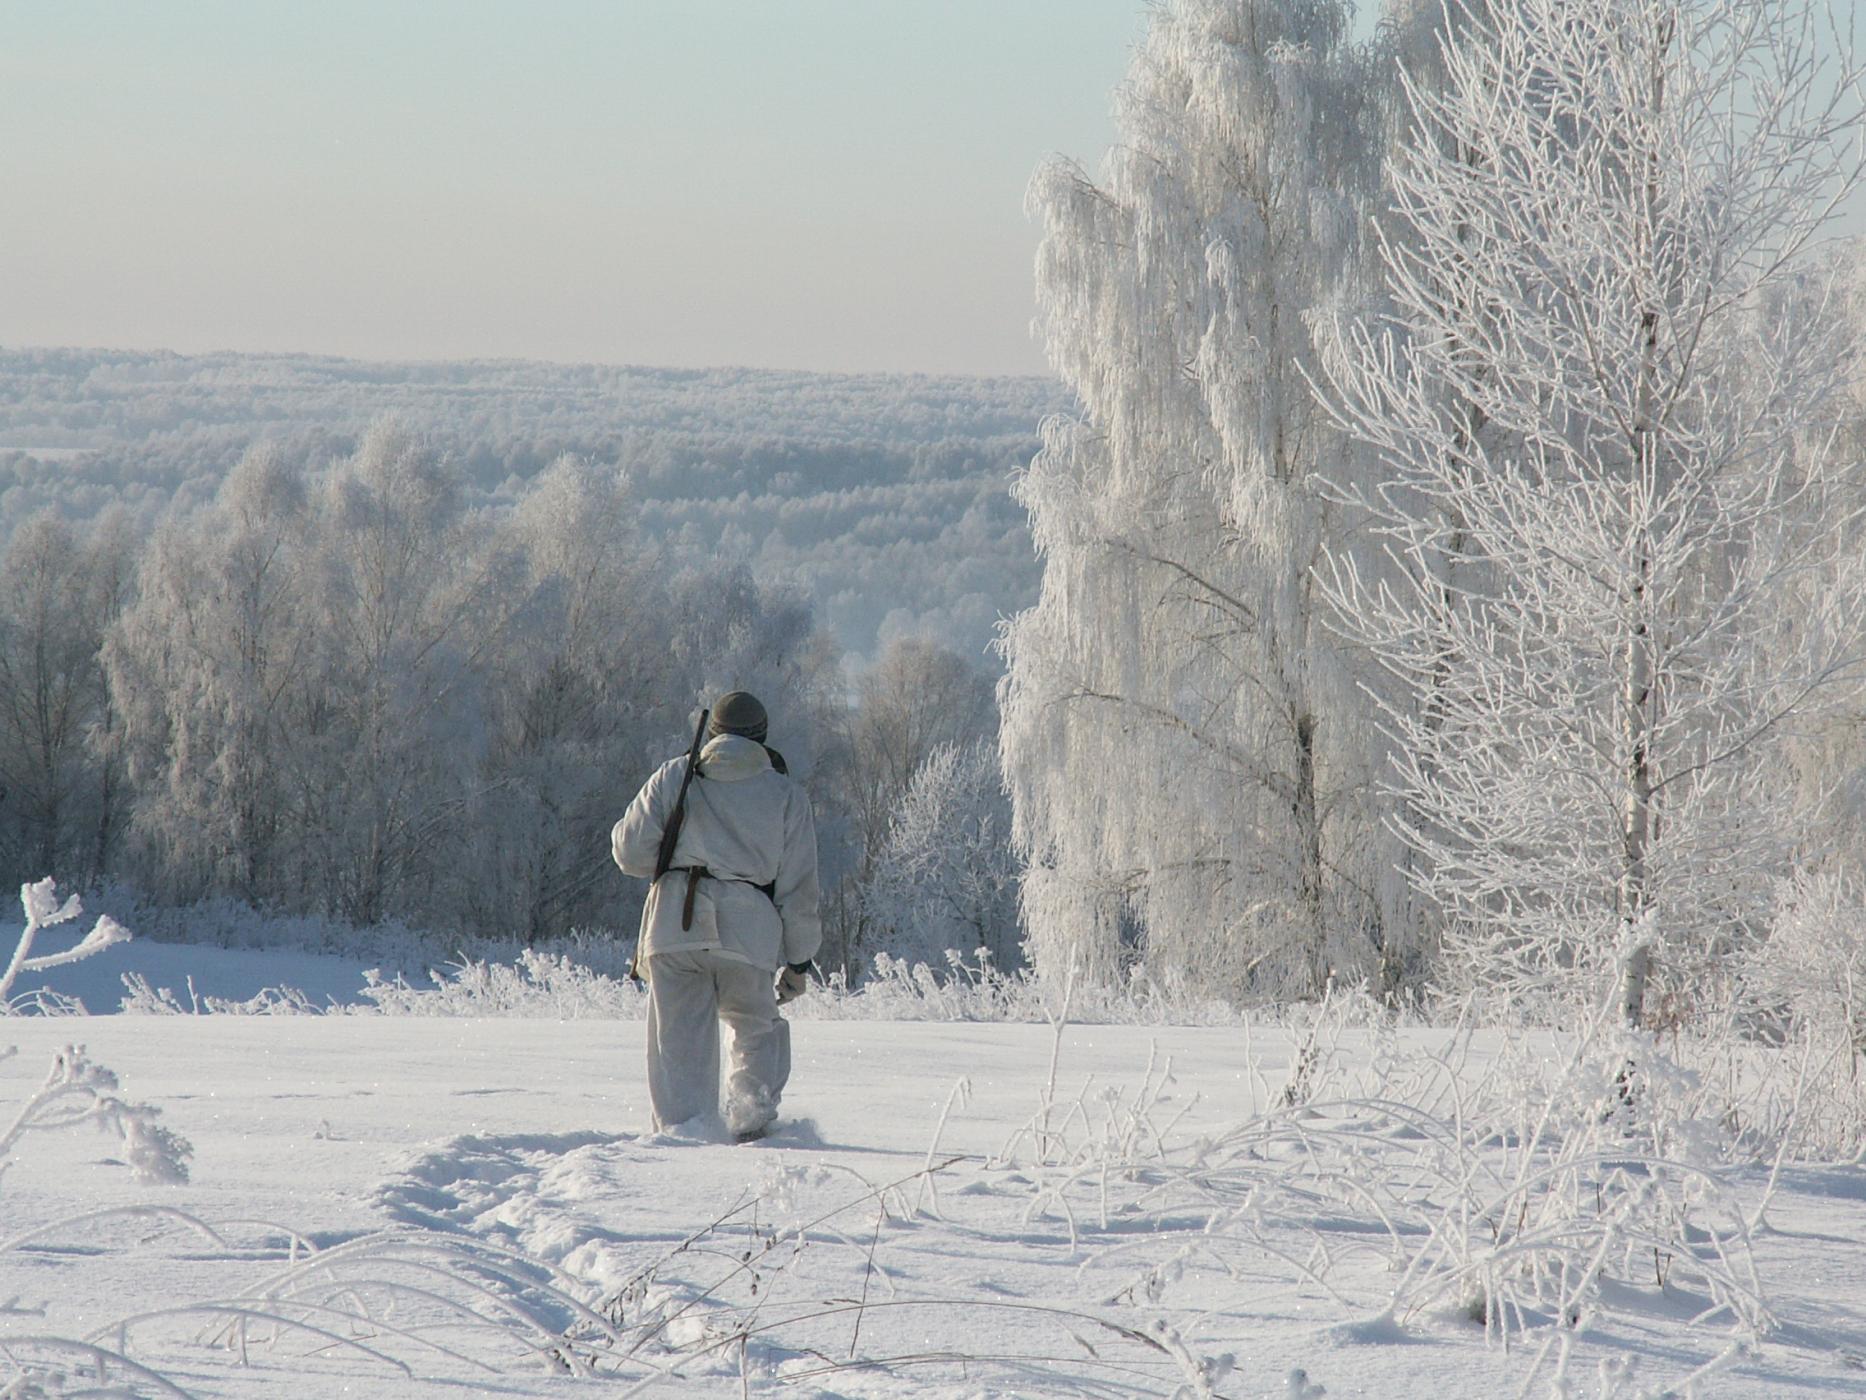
[(1810, 972), (915, 698), (1830, 752), (58, 592), (918, 697), (946, 877), (341, 692), (1187, 762), (407, 606), (1609, 609), (576, 698), (114, 549), (732, 632), (208, 670)]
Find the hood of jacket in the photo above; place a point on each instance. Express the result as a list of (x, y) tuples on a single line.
[(732, 758)]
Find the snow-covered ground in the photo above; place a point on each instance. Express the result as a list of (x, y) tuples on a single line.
[(898, 1235)]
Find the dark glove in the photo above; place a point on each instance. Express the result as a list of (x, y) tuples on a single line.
[(793, 982)]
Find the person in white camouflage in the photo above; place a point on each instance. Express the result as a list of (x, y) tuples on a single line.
[(736, 909)]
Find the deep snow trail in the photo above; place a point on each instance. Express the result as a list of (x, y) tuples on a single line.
[(533, 1135)]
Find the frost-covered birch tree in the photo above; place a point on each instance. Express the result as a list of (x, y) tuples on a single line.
[(576, 699), (1830, 753), (207, 670), (59, 591), (408, 606), (1187, 765), (114, 550), (1657, 555)]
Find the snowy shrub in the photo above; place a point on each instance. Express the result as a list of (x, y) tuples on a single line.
[(538, 984), (1528, 1196), (142, 999), (78, 1091), (43, 911), (946, 878), (976, 989), (560, 987), (1789, 1056), (1809, 973), (555, 985)]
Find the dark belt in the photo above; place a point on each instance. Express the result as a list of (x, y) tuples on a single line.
[(697, 873)]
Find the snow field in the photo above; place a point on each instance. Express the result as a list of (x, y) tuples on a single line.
[(1189, 1233)]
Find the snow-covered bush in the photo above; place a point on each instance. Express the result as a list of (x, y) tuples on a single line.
[(1417, 1179), (44, 910), (946, 878), (142, 999), (76, 1092), (558, 987), (537, 984), (1809, 973), (1791, 1051)]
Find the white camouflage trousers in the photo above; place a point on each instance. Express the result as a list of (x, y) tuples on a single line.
[(689, 994)]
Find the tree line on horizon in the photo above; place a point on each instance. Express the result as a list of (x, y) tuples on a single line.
[(882, 495)]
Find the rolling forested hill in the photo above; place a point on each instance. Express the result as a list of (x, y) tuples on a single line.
[(883, 495)]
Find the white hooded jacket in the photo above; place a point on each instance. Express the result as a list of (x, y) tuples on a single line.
[(748, 825)]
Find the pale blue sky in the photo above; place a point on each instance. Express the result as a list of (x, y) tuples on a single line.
[(822, 184), (818, 184)]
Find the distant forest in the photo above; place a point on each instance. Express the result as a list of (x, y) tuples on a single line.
[(883, 496)]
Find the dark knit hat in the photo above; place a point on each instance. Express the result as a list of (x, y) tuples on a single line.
[(739, 712)]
